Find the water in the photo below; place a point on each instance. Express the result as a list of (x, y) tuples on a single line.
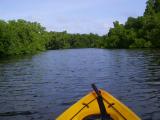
[(44, 85)]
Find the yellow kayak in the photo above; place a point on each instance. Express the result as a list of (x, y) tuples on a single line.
[(98, 105)]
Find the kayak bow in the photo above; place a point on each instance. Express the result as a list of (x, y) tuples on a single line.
[(98, 104)]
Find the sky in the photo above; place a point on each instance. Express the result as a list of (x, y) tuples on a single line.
[(74, 16)]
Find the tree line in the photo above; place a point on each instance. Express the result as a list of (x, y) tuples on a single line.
[(21, 37), (140, 32), (24, 37)]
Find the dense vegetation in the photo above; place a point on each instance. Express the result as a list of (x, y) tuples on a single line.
[(62, 40), (140, 32), (23, 37)]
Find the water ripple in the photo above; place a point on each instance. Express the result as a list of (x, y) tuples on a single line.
[(50, 82)]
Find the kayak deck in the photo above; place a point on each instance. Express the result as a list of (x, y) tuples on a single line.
[(88, 106)]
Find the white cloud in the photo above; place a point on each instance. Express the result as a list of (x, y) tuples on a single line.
[(80, 16)]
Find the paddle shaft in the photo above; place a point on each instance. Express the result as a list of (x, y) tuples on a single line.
[(104, 114)]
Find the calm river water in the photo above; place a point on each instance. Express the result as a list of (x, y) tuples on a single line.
[(41, 86)]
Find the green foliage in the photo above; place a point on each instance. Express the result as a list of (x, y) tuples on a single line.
[(119, 36), (151, 29), (141, 43), (140, 32), (153, 7), (63, 40), (21, 37), (134, 23), (150, 8), (157, 6)]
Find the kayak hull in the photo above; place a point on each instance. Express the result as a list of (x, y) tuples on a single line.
[(88, 106)]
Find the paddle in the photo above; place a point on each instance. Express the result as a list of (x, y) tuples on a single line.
[(104, 114)]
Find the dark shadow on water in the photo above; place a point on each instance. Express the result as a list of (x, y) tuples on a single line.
[(15, 113), (12, 59), (16, 58)]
